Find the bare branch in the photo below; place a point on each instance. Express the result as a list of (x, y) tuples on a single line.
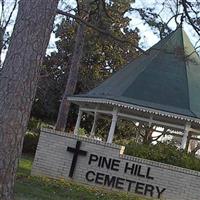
[(195, 149), (162, 134), (158, 137), (11, 13), (185, 6), (195, 51)]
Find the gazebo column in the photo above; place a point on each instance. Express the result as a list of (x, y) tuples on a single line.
[(92, 132), (80, 112), (112, 127), (185, 136)]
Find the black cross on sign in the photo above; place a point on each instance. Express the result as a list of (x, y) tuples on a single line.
[(76, 151)]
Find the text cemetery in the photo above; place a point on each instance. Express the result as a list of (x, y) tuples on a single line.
[(122, 183), (132, 169)]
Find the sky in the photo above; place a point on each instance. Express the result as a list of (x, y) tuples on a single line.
[(148, 37)]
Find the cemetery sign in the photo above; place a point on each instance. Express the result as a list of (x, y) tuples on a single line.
[(64, 156)]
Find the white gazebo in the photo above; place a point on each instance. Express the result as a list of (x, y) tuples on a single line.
[(161, 88)]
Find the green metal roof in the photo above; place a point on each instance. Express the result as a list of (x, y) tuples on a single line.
[(166, 78)]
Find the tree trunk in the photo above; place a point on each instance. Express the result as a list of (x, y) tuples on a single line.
[(147, 138), (2, 32), (18, 81), (72, 79)]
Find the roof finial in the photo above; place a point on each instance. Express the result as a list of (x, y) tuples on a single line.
[(182, 18)]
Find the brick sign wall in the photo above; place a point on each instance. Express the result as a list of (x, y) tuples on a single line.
[(104, 165)]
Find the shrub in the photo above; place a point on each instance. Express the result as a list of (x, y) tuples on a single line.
[(30, 142), (165, 153), (34, 125)]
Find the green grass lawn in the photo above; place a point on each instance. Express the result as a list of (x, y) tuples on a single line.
[(41, 188)]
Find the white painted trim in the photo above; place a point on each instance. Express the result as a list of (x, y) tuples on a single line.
[(99, 111), (112, 127), (92, 132), (152, 121), (135, 107), (78, 122), (136, 118), (185, 136), (194, 130)]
